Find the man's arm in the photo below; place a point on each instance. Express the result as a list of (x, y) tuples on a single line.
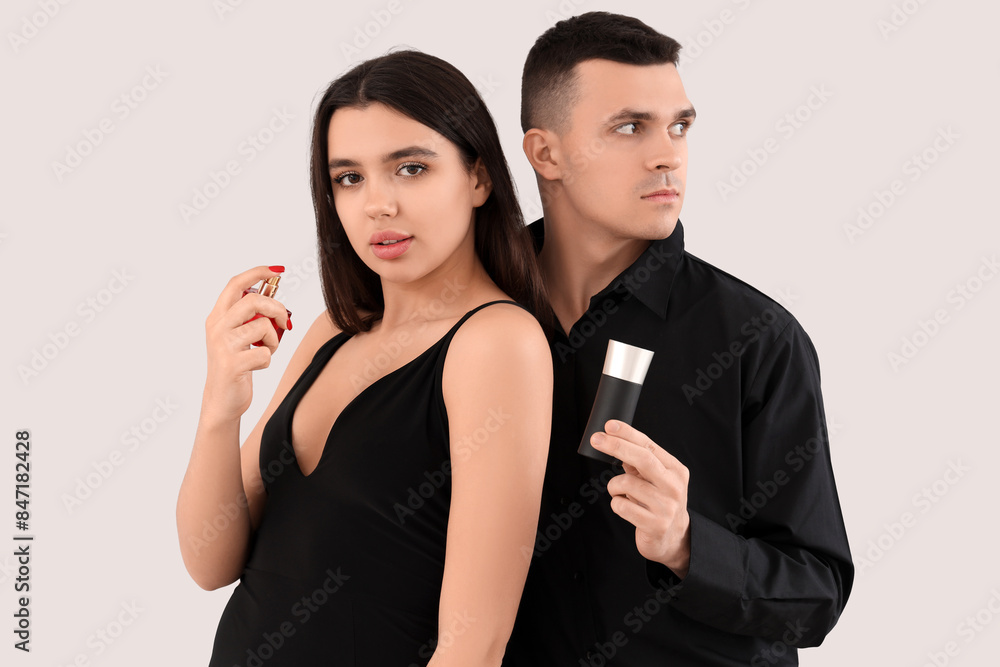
[(782, 572)]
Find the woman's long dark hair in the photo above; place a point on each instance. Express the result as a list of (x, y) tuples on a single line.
[(434, 93)]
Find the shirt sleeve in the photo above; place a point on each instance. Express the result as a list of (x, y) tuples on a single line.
[(777, 565)]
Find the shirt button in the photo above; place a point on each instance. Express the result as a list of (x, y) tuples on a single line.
[(578, 576), (563, 501)]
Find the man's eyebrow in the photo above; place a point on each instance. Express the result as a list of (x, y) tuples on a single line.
[(409, 151), (629, 114)]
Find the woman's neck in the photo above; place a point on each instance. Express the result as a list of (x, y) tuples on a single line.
[(447, 292)]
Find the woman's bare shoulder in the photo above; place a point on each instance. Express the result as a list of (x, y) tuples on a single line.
[(507, 332)]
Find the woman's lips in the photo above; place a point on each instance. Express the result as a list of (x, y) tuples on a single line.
[(391, 248), (387, 235)]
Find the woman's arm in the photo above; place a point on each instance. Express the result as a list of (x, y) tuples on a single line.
[(498, 392), (222, 495)]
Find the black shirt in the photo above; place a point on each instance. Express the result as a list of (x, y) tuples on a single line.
[(733, 391)]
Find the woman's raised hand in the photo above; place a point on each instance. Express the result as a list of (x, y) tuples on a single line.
[(230, 334)]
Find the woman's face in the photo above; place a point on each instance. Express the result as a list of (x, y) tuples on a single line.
[(402, 192)]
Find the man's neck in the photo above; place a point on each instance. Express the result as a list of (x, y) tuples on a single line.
[(578, 261)]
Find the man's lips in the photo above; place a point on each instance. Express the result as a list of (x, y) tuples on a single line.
[(662, 193)]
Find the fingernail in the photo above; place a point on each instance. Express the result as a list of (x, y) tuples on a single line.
[(277, 269), (597, 439), (612, 427), (289, 323)]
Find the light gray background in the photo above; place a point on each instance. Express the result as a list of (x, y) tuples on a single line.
[(895, 431)]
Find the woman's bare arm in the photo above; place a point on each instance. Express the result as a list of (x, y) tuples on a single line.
[(498, 392), (222, 495)]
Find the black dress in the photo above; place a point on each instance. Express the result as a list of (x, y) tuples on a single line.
[(346, 565)]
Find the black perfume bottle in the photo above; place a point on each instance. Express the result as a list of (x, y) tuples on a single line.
[(625, 368)]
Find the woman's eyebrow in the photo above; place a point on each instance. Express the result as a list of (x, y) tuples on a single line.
[(409, 151)]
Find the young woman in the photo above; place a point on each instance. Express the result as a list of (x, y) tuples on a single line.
[(380, 511)]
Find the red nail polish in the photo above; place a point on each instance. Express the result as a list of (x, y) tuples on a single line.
[(269, 288), (289, 321), (277, 269)]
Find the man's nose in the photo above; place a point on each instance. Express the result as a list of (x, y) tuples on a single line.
[(666, 152)]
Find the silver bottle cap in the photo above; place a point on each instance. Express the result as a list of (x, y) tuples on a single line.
[(627, 362)]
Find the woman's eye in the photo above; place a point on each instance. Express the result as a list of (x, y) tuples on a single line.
[(627, 128), (412, 169), (349, 177)]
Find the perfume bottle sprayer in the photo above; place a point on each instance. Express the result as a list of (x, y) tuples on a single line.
[(269, 288)]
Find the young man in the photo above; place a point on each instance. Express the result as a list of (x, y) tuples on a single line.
[(719, 539)]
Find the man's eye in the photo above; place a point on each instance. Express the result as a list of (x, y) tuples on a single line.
[(683, 126), (627, 128)]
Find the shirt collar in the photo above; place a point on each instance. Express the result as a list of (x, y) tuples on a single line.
[(649, 278)]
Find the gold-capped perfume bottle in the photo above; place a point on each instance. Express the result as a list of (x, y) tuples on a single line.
[(269, 288)]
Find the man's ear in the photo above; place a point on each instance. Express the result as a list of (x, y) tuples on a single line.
[(541, 147), (482, 185)]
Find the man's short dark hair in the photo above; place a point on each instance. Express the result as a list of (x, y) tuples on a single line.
[(548, 83)]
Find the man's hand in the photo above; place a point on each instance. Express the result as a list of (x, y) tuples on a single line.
[(651, 495)]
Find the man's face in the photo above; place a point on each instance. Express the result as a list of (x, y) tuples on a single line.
[(623, 153)]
